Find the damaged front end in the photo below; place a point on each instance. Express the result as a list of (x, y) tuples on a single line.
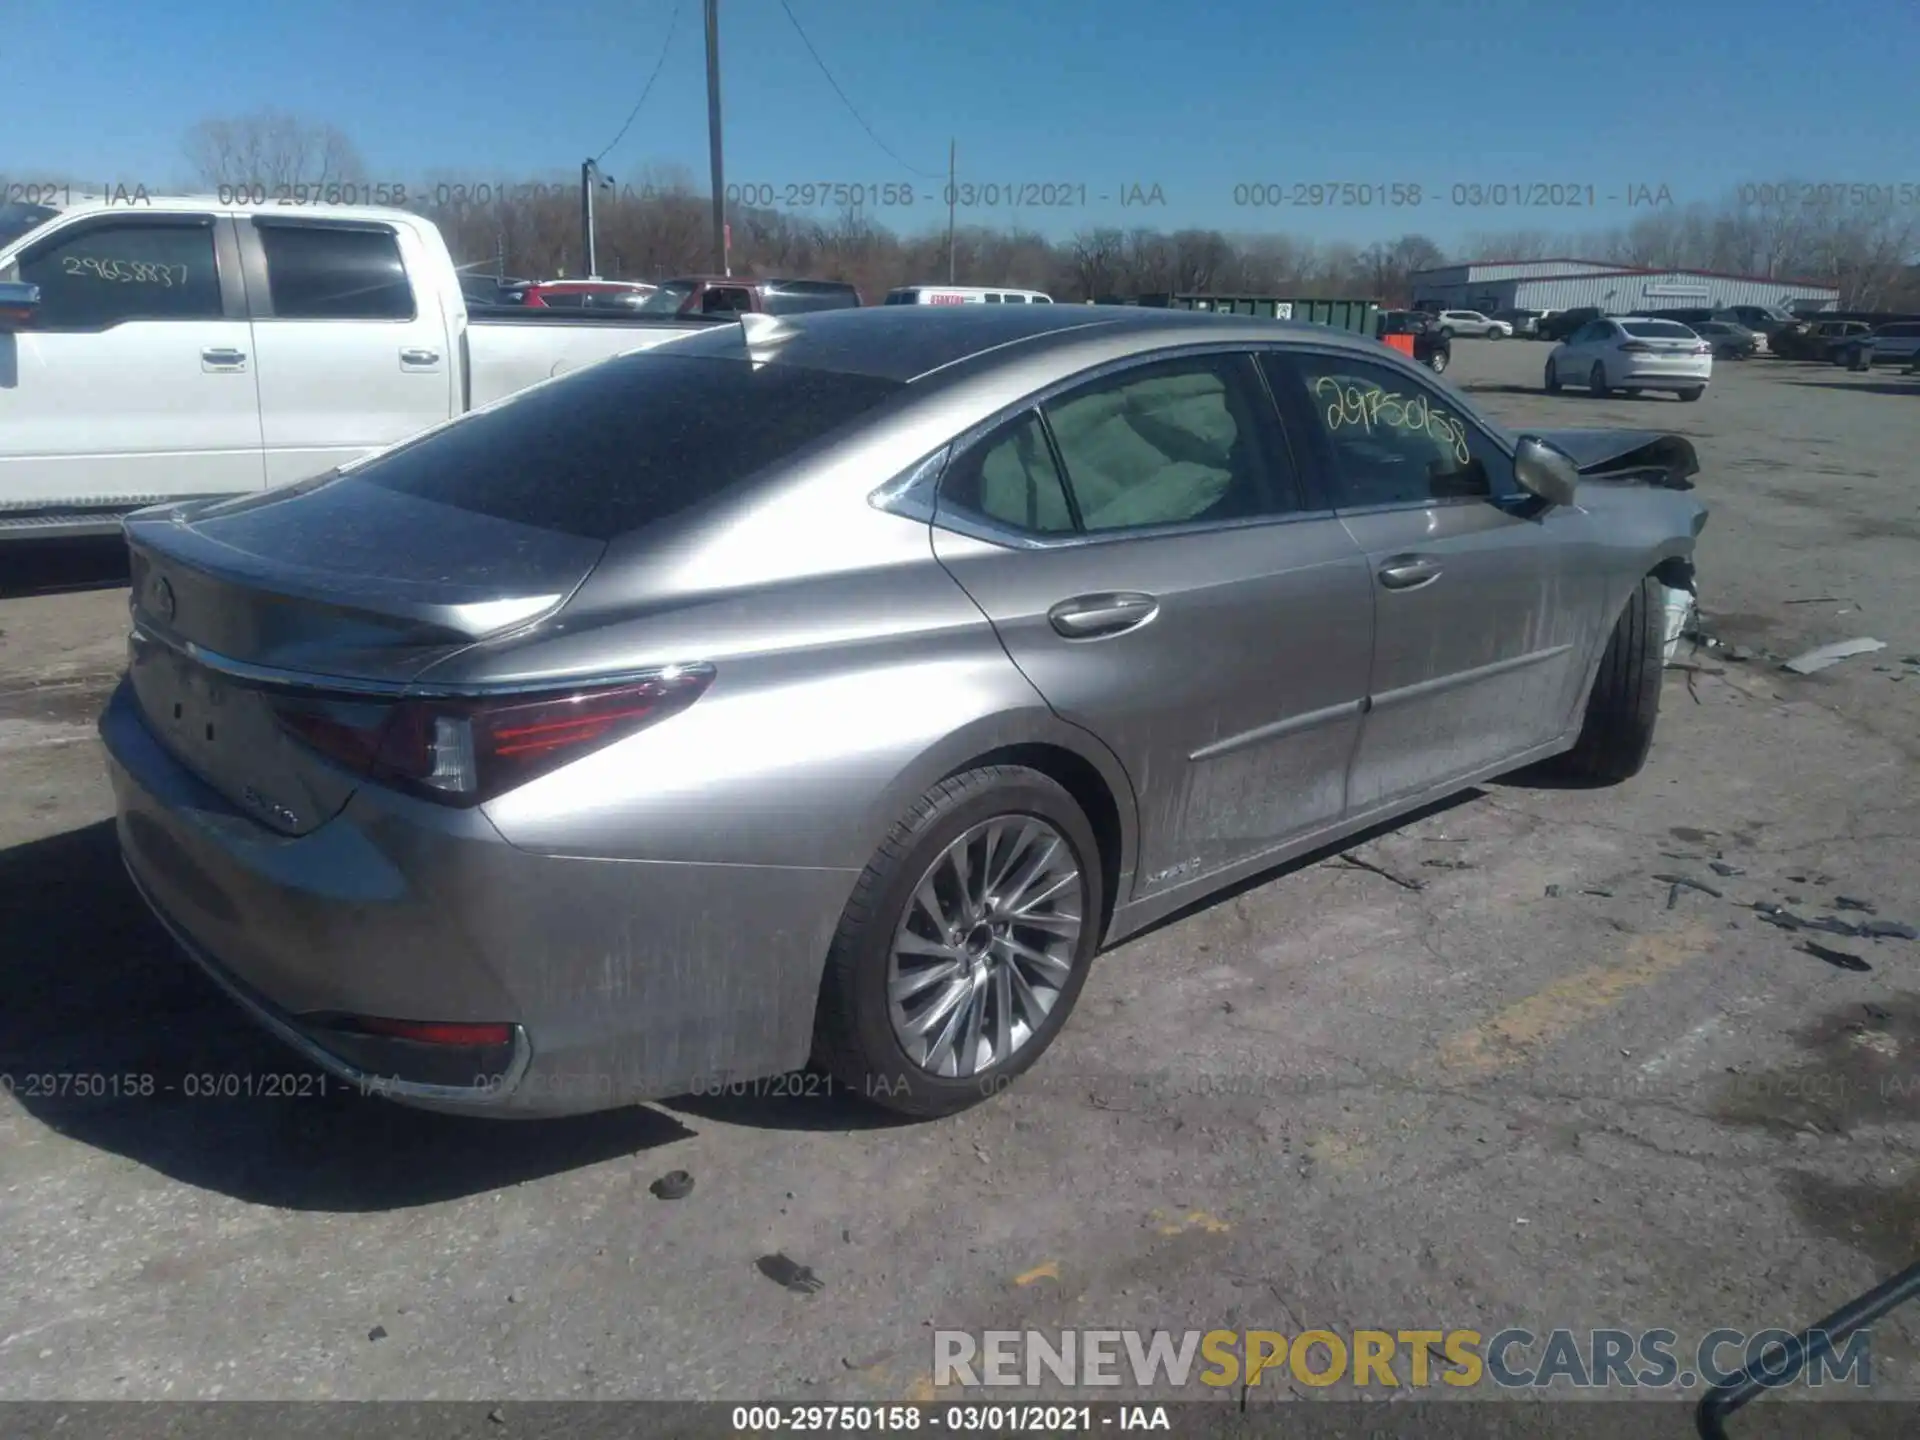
[(1647, 457)]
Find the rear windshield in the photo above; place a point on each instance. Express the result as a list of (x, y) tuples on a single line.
[(626, 442), (1656, 330)]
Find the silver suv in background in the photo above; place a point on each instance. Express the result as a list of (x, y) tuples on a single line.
[(1473, 325)]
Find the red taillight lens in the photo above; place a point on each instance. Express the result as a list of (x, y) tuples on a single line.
[(433, 1032), (466, 750)]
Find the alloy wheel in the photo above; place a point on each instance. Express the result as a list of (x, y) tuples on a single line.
[(986, 945)]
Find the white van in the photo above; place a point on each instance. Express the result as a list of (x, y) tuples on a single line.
[(964, 295)]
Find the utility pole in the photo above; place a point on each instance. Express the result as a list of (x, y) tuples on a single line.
[(720, 264), (588, 173), (953, 192)]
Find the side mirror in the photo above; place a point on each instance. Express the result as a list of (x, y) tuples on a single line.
[(19, 306), (1545, 471)]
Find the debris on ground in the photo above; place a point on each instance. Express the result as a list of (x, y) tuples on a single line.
[(1354, 862), (1723, 869), (1839, 958), (674, 1185), (378, 1332), (1553, 892), (789, 1274), (1600, 890), (1673, 894), (1847, 902), (1690, 884), (1448, 864), (1888, 930), (1821, 656)]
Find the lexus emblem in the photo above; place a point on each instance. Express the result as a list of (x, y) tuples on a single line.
[(163, 598)]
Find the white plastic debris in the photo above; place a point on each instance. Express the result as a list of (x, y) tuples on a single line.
[(1679, 606), (1822, 656)]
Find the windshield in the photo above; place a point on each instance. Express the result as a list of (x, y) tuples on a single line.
[(667, 300)]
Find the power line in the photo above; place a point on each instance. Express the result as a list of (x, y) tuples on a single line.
[(928, 174), (668, 45)]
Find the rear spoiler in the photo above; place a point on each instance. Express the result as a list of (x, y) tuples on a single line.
[(1649, 457)]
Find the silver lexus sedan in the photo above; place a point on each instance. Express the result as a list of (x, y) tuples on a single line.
[(834, 687)]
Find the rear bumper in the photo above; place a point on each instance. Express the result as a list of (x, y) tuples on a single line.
[(622, 980), (1653, 377)]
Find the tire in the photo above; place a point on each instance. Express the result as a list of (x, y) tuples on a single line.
[(1692, 395), (1624, 704), (1437, 362), (1495, 335), (1597, 380), (857, 1038), (1553, 378)]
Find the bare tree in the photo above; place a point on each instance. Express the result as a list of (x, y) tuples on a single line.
[(273, 148)]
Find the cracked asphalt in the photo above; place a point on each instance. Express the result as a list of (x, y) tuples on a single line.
[(1489, 1077)]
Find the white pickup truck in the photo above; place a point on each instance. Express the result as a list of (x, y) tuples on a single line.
[(180, 348)]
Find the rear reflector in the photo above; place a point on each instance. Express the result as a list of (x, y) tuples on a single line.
[(466, 750), (434, 1032)]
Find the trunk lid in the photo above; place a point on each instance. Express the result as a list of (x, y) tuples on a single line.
[(331, 588)]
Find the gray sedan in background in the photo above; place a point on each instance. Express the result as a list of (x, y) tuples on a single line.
[(834, 687)]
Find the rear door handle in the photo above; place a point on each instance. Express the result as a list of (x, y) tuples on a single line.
[(223, 359), (1408, 572), (420, 357), (1087, 617)]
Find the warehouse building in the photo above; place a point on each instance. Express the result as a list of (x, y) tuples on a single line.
[(1560, 284)]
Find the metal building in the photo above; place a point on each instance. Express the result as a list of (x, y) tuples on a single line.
[(1562, 284)]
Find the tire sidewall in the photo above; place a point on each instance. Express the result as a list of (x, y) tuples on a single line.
[(892, 1075)]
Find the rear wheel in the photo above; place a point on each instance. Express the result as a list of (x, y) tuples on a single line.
[(1437, 361), (965, 944), (1624, 704), (1597, 380)]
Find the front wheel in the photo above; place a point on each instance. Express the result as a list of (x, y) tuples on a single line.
[(1597, 380), (965, 944), (1553, 379), (1624, 704)]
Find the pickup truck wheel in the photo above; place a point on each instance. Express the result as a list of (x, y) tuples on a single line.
[(964, 945), (1597, 381), (1624, 704), (1437, 362)]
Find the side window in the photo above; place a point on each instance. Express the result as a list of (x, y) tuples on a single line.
[(101, 274), (1010, 478), (1165, 444), (1390, 440), (330, 272), (724, 300), (565, 300)]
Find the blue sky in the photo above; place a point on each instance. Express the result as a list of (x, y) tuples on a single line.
[(1105, 94)]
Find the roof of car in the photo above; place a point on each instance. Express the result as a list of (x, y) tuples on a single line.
[(910, 342)]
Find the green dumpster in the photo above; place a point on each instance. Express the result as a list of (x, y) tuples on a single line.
[(1354, 315)]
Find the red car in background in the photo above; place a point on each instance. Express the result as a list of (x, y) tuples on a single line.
[(584, 295)]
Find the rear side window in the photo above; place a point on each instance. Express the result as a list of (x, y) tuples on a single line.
[(329, 272), (1010, 478), (626, 442)]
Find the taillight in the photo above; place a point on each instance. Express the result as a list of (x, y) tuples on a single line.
[(1703, 348), (465, 750)]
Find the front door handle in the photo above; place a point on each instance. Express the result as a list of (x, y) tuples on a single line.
[(1087, 617), (219, 359), (1408, 572), (419, 357)]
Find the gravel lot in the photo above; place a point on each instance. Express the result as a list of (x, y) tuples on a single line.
[(1327, 1100)]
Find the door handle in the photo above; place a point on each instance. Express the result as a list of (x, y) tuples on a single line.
[(1408, 572), (419, 357), (219, 359), (1087, 617)]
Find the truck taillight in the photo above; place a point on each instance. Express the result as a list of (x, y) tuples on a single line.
[(466, 750)]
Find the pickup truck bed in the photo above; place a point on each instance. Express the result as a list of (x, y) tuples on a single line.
[(185, 348)]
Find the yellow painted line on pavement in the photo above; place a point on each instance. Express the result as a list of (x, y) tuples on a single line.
[(1524, 1028)]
